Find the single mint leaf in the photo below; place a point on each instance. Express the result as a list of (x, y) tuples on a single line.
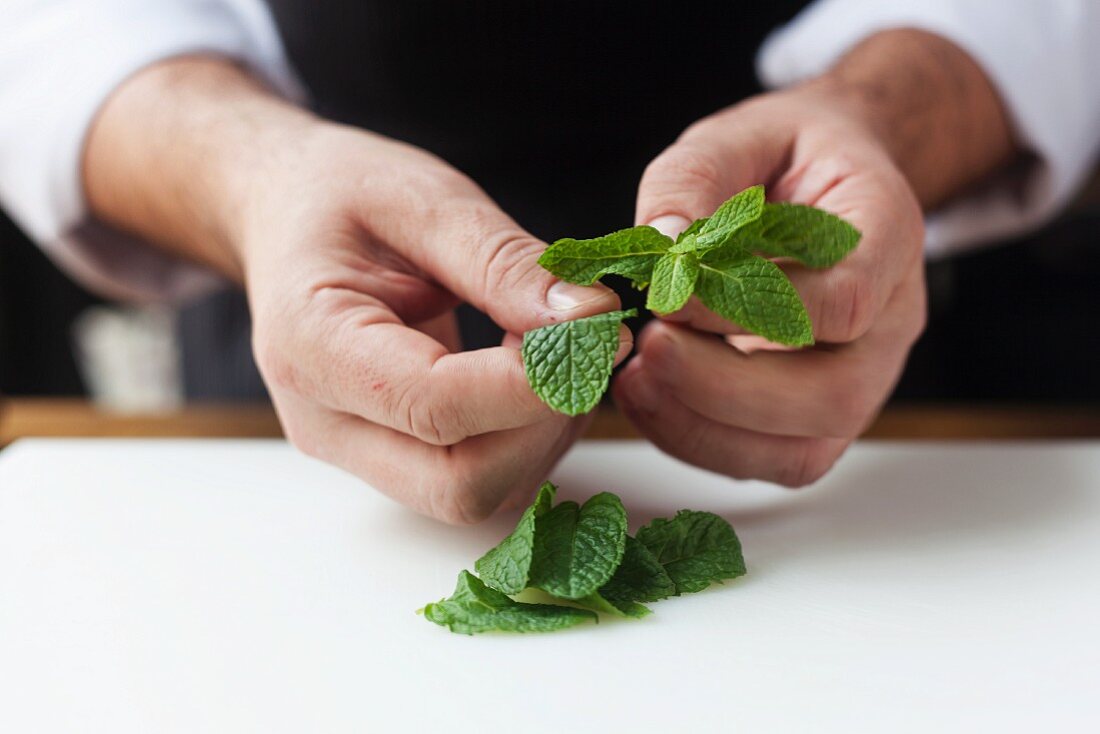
[(597, 602), (754, 293), (569, 364), (673, 282), (631, 253), (474, 608), (506, 567), (735, 213), (578, 548), (695, 548), (639, 578), (809, 235)]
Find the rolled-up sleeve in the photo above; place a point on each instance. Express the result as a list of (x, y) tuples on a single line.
[(1043, 57), (59, 61)]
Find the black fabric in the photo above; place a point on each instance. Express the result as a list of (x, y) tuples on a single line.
[(37, 308), (554, 108)]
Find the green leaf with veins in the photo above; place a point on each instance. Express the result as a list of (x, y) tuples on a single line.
[(474, 608), (507, 566), (809, 235), (753, 292), (631, 253), (639, 578), (673, 282), (569, 364), (695, 548), (578, 548), (735, 213)]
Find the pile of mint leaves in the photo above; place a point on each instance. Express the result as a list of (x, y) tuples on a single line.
[(584, 556), (721, 259)]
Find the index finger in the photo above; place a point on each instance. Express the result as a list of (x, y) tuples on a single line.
[(372, 365)]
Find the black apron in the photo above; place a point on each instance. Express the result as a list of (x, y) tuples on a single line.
[(555, 108)]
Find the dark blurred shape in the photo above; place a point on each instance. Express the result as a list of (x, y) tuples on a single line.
[(215, 338), (1014, 323), (1009, 324), (37, 308)]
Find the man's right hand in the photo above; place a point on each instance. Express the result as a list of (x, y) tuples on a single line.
[(354, 250)]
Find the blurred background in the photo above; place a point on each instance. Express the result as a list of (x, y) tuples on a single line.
[(1009, 323)]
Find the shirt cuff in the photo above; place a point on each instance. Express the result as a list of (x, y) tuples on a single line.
[(1040, 56), (64, 60)]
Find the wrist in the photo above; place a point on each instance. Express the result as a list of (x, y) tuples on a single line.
[(260, 176), (927, 103), (177, 152)]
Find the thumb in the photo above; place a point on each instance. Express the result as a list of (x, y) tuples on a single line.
[(713, 160), (491, 262)]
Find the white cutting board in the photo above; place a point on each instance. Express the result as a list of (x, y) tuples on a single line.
[(238, 587)]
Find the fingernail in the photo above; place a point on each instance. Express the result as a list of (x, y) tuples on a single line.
[(643, 395), (564, 296), (670, 225)]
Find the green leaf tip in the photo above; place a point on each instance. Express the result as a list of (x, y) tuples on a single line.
[(569, 364), (506, 567)]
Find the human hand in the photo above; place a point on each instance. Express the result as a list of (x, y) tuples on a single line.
[(355, 250), (707, 393)]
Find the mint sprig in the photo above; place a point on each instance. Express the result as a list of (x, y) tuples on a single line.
[(582, 555), (722, 259)]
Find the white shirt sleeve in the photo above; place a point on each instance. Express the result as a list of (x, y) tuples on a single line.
[(59, 61), (1043, 57)]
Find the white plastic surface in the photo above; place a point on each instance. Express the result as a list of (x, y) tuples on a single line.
[(238, 587)]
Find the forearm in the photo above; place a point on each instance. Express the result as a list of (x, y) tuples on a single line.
[(177, 151), (931, 105)]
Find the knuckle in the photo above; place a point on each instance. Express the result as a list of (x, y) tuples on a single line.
[(659, 348), (849, 308), (461, 498), (511, 259), (429, 413), (429, 422), (807, 464), (685, 168)]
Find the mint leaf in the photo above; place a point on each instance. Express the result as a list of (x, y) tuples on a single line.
[(569, 364), (506, 566), (735, 213), (597, 602), (578, 548), (474, 608), (811, 236), (695, 548), (673, 282), (754, 293), (631, 253), (639, 578)]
